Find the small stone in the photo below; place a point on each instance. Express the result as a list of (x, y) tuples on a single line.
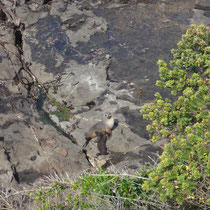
[(33, 6), (100, 163), (52, 108), (108, 56), (65, 125), (91, 64), (63, 152), (33, 158), (166, 21), (49, 143), (55, 119)]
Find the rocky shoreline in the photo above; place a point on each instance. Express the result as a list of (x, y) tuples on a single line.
[(89, 57)]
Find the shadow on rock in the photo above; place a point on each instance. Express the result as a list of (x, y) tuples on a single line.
[(116, 122), (136, 121), (150, 154), (28, 176), (117, 157)]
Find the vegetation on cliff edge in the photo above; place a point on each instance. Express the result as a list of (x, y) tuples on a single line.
[(184, 169)]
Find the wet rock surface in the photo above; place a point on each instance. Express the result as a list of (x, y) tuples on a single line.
[(89, 58)]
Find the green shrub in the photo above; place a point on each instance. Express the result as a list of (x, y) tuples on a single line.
[(102, 190), (62, 111), (184, 169)]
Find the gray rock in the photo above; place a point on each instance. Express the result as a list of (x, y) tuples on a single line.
[(68, 50), (6, 172), (55, 119), (199, 18), (87, 30), (52, 108), (203, 4), (65, 125), (33, 149), (29, 17), (82, 83)]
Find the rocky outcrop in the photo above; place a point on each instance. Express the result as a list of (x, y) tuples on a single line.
[(87, 57), (201, 13), (29, 148)]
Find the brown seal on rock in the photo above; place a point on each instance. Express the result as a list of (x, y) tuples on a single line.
[(100, 130)]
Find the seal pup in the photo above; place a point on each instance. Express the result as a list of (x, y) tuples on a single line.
[(105, 127)]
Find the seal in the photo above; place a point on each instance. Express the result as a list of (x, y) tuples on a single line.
[(103, 127)]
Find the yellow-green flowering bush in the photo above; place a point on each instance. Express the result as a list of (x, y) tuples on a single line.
[(182, 174)]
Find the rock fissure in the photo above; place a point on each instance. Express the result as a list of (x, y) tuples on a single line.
[(15, 174), (13, 168), (3, 16), (47, 2), (18, 39), (6, 152)]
